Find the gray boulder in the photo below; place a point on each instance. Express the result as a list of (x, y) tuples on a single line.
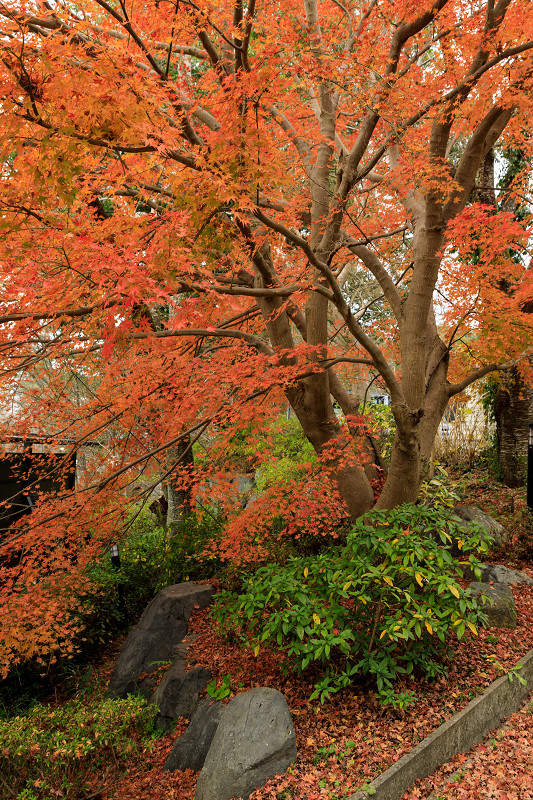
[(254, 741), (177, 694), (497, 573), (191, 749), (500, 608), (154, 639), (473, 514)]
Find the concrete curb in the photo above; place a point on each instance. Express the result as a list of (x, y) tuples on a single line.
[(458, 735)]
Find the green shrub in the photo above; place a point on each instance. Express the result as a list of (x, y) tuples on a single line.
[(381, 606), (289, 449), (276, 451), (437, 491), (381, 421), (58, 752), (149, 560)]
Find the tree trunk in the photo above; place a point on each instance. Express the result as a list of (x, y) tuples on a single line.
[(403, 479), (323, 430), (177, 492), (311, 397), (513, 410)]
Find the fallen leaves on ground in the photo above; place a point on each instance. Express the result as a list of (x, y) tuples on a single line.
[(499, 768), (350, 740)]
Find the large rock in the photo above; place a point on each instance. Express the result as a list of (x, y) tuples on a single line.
[(473, 514), (254, 741), (497, 573), (177, 694), (191, 749), (500, 608), (159, 631)]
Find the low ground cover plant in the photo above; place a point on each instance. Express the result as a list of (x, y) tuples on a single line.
[(382, 605), (54, 751)]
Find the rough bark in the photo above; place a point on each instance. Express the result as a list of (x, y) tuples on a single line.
[(513, 411), (323, 430), (403, 479)]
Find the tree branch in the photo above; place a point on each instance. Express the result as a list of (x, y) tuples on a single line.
[(457, 388), (374, 265)]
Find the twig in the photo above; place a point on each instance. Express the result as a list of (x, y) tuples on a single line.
[(8, 787), (377, 615)]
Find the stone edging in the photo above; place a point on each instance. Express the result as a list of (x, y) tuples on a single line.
[(458, 735)]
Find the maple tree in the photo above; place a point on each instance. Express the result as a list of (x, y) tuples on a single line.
[(189, 190)]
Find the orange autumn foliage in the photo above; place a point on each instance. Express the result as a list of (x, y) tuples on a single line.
[(208, 210)]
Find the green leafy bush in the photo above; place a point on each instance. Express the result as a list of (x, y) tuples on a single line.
[(58, 752), (277, 451), (149, 560), (382, 605), (289, 449), (437, 491), (382, 423)]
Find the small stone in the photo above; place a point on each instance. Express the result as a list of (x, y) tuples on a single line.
[(178, 694), (191, 749)]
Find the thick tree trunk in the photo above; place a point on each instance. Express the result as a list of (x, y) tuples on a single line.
[(424, 369), (323, 431), (513, 410), (403, 479), (355, 490), (411, 460), (311, 397)]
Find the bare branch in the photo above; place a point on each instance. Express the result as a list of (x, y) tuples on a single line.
[(457, 388), (374, 265), (41, 315), (484, 137)]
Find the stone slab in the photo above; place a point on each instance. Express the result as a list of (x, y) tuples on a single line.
[(254, 741), (472, 514), (497, 573), (178, 694), (160, 630), (458, 735), (192, 747)]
